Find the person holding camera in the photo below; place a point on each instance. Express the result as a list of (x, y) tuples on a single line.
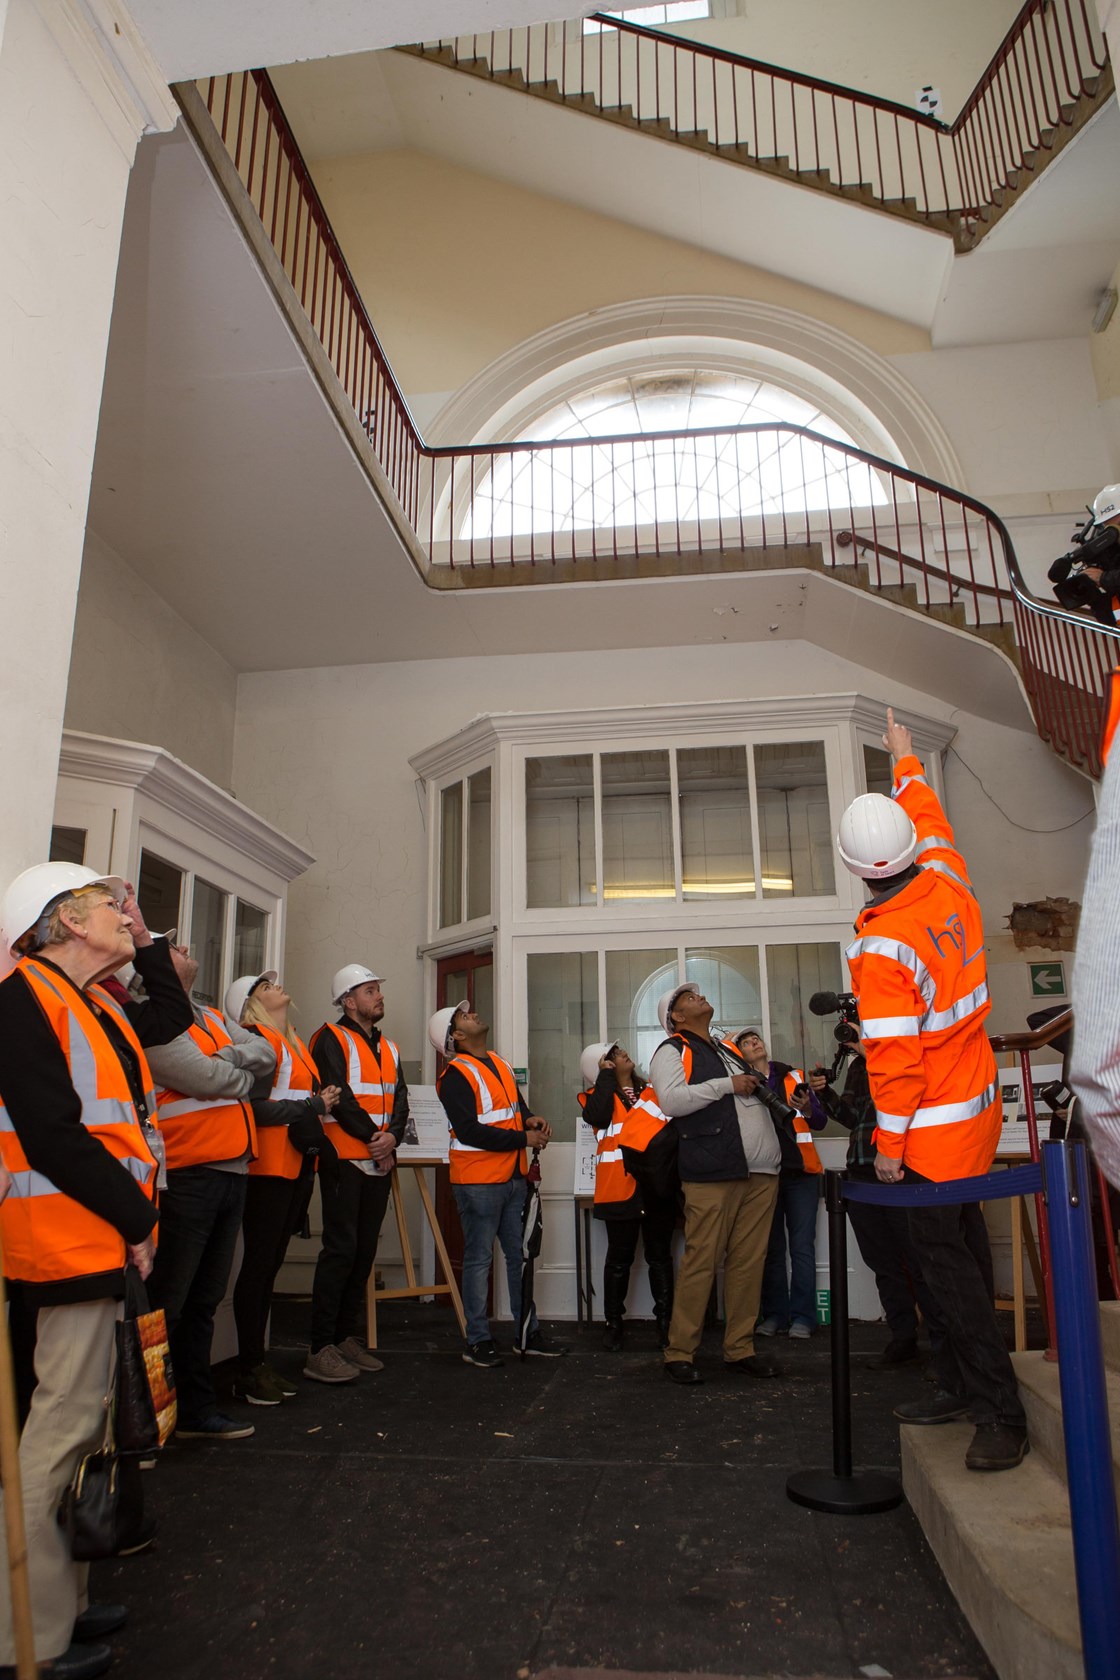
[(728, 1158), (789, 1301), (1088, 577), (636, 1183), (918, 971)]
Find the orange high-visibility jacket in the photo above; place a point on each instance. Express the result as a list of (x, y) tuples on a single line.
[(198, 1130), (632, 1128), (919, 970), (802, 1135), (1111, 715), (372, 1080), (497, 1104), (296, 1076), (49, 1237)]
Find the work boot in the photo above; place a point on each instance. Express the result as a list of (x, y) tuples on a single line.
[(616, 1283), (941, 1407), (997, 1446), (612, 1335), (661, 1288)]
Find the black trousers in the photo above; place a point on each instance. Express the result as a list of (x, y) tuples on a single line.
[(655, 1226), (272, 1212), (354, 1206), (199, 1218), (883, 1238), (953, 1251)]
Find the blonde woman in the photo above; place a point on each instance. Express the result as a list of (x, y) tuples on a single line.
[(288, 1107)]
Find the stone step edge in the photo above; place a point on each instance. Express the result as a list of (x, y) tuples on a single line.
[(1040, 1391), (1005, 1547)]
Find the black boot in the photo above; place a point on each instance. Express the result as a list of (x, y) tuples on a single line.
[(661, 1288), (616, 1282)]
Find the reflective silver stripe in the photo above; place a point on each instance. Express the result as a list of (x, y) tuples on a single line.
[(905, 783), (933, 840), (892, 1122), (951, 1114), (803, 1137), (96, 1111), (194, 1105), (649, 1107), (30, 1183), (942, 868), (891, 1026), (610, 1155), (488, 1115), (937, 1019), (875, 945), (372, 1087)]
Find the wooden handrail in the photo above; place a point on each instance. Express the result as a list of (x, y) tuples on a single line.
[(1033, 1040), (846, 539)]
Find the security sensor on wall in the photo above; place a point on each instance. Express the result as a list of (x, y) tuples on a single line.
[(928, 101)]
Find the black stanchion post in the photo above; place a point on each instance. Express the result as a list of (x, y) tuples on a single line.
[(843, 1491)]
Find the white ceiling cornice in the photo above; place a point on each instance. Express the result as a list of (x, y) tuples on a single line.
[(109, 57)]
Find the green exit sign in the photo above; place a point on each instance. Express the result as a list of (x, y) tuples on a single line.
[(1048, 979)]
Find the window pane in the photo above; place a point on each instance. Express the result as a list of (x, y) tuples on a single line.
[(635, 981), (717, 859), (159, 893), (637, 827), (250, 929), (483, 993), (794, 825), (559, 831), (451, 855), (478, 844), (563, 1007), (68, 845), (878, 772), (728, 977), (208, 922), (793, 974)]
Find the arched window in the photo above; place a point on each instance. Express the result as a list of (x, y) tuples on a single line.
[(606, 465)]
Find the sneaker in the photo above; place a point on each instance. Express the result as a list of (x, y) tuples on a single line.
[(484, 1354), (766, 1327), (544, 1347), (997, 1446), (330, 1366), (941, 1407), (358, 1354), (256, 1387), (798, 1332), (216, 1427), (286, 1386)]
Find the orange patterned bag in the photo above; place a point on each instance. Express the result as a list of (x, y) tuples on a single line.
[(145, 1385)]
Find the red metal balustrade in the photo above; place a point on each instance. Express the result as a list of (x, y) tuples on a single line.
[(954, 176), (599, 500)]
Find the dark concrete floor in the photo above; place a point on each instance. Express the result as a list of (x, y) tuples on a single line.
[(438, 1522)]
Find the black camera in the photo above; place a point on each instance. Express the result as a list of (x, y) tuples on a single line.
[(1075, 591), (846, 1031)]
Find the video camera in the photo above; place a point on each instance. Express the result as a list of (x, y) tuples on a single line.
[(846, 1030), (1094, 547)]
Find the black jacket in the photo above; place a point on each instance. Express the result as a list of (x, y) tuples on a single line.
[(330, 1059), (710, 1142)]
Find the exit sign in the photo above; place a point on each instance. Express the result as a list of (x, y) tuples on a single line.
[(1048, 979)]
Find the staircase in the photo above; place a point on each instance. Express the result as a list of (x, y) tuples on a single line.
[(1004, 1542), (1049, 76)]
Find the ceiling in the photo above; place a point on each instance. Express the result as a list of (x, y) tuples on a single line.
[(223, 477)]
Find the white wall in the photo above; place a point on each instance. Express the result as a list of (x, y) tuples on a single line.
[(138, 671)]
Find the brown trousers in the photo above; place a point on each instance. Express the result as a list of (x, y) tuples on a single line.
[(731, 1222)]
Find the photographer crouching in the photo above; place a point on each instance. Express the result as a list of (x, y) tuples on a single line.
[(919, 972), (882, 1233), (1087, 579)]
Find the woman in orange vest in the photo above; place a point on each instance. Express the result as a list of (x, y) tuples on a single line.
[(77, 1107), (789, 1303), (622, 1110), (289, 1106)]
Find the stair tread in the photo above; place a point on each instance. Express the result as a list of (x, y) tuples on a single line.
[(1040, 1387), (1005, 1546)]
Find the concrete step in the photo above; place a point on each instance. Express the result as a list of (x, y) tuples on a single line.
[(1110, 1333), (1006, 1549), (1039, 1388)]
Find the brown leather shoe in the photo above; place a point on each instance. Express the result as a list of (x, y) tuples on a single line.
[(997, 1446), (682, 1371)]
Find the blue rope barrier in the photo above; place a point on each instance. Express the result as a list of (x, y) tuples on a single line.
[(1025, 1180)]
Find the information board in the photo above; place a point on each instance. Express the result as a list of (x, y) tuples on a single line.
[(426, 1137), (585, 1160)]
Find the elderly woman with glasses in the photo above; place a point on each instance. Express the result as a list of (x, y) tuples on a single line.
[(288, 1107), (78, 1139)]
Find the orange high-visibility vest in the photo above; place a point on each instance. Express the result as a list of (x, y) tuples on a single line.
[(802, 1136), (497, 1104), (296, 1076), (373, 1082), (919, 970), (1111, 715), (630, 1128), (49, 1237), (199, 1130)]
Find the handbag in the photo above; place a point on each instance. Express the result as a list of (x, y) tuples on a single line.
[(144, 1399), (91, 1509)]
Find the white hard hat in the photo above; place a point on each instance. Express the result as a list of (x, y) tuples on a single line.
[(32, 894), (876, 837), (354, 974), (668, 999), (590, 1058), (1106, 504), (239, 991), (439, 1027)]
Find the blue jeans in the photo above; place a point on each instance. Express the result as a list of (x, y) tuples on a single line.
[(796, 1212), (487, 1211)]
